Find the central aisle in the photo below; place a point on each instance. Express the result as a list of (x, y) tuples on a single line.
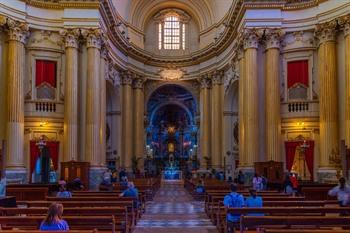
[(173, 210)]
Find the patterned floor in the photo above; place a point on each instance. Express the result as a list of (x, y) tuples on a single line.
[(173, 210)]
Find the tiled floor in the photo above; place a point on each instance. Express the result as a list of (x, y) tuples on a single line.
[(173, 210)]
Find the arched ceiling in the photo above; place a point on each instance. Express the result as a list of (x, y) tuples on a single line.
[(205, 12)]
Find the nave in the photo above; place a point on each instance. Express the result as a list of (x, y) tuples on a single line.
[(174, 210)]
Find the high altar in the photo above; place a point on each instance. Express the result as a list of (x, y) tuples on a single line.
[(171, 171)]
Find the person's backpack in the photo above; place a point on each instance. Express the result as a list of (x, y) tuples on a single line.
[(234, 201)]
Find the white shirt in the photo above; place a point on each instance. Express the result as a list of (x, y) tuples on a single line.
[(342, 194)]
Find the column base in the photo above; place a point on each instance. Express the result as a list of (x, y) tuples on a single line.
[(16, 175), (327, 175), (96, 177), (248, 173)]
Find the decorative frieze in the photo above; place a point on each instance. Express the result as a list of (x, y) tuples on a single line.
[(326, 31), (18, 31)]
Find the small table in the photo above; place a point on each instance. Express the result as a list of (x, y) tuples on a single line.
[(8, 201)]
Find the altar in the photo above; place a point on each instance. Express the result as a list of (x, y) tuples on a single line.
[(172, 172)]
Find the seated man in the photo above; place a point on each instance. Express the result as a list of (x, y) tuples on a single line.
[(234, 200), (63, 193), (254, 201), (200, 187), (131, 191)]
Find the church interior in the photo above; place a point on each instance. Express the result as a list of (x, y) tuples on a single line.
[(203, 116)]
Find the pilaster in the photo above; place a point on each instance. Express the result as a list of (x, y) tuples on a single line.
[(17, 35), (205, 138), (327, 73)]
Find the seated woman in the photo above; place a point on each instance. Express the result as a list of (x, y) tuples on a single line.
[(200, 187), (53, 220), (63, 193), (254, 201)]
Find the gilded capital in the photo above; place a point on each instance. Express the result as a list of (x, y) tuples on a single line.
[(217, 77), (273, 38), (127, 78), (204, 82), (345, 23), (139, 83), (251, 38), (93, 37), (3, 20), (17, 31), (71, 37), (326, 31)]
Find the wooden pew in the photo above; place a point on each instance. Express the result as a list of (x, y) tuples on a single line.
[(281, 211), (38, 231), (253, 222), (101, 223), (305, 231)]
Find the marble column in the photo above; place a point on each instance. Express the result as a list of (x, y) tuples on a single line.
[(93, 102), (327, 73), (272, 95), (204, 120), (217, 118), (17, 34), (103, 96), (347, 80), (127, 121), (241, 107), (139, 129), (251, 100), (70, 146)]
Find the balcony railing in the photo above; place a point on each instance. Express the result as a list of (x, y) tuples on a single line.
[(299, 109), (44, 108)]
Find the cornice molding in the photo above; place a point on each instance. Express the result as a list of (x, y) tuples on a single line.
[(61, 4)]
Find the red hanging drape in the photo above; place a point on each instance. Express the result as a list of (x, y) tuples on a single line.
[(290, 153), (309, 154), (34, 153), (309, 157), (298, 72), (45, 73)]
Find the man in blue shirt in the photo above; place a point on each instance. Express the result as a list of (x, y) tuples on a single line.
[(234, 200), (254, 201), (131, 191)]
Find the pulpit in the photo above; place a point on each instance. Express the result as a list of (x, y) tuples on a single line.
[(73, 169), (272, 170)]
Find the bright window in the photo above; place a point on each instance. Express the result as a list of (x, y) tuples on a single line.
[(171, 33)]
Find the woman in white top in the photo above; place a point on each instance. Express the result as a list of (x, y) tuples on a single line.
[(257, 182), (342, 191)]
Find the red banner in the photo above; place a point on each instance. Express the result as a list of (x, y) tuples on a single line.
[(298, 73), (45, 73)]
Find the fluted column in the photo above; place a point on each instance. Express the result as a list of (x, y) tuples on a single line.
[(139, 112), (15, 167), (103, 71), (347, 79), (93, 102), (127, 121), (204, 120), (272, 95), (251, 117), (241, 107), (70, 146), (327, 73), (217, 117)]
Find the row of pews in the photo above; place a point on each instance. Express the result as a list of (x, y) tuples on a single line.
[(281, 212), (86, 211)]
